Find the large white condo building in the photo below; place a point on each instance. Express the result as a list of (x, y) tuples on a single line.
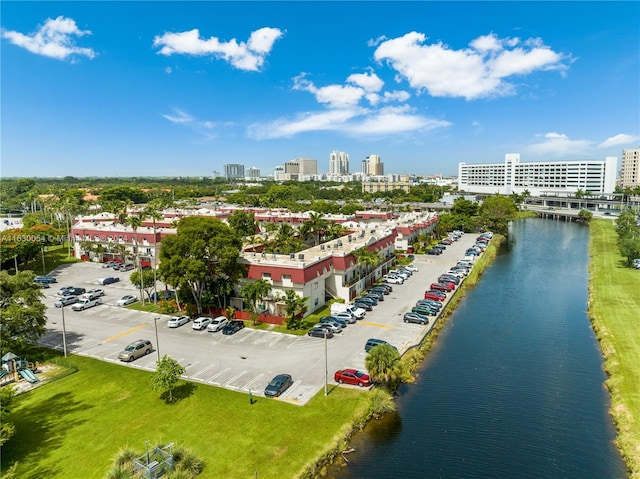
[(538, 178), (338, 163)]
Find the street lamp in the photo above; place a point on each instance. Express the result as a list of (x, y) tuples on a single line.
[(326, 365), (64, 334), (155, 322)]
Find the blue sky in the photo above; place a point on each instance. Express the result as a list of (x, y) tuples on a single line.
[(181, 88)]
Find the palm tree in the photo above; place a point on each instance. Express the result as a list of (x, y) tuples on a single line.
[(384, 366), (152, 211), (135, 221), (365, 258), (254, 293), (313, 226)]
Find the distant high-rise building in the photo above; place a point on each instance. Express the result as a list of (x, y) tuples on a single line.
[(233, 171), (374, 166), (338, 163), (299, 168), (253, 173), (630, 172)]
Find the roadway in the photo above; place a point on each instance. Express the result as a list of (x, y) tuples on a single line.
[(247, 360)]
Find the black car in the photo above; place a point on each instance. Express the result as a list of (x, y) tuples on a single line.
[(434, 251), (413, 317), (233, 327), (363, 305), (278, 385), (45, 279), (320, 333), (449, 277)]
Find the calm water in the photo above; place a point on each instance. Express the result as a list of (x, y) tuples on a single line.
[(514, 387)]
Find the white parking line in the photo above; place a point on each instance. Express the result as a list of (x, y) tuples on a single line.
[(247, 336), (237, 376), (290, 390), (247, 386), (218, 374), (264, 337), (203, 370), (280, 337)]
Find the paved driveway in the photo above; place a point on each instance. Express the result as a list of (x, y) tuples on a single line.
[(247, 360)]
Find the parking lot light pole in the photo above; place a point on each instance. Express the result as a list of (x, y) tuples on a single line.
[(155, 322), (64, 334), (326, 365)]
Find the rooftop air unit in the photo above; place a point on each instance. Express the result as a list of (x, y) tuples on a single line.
[(292, 256), (301, 257)]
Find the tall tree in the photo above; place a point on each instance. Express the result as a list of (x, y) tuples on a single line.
[(628, 236), (496, 212), (153, 211), (203, 248), (366, 260), (315, 225), (295, 307), (167, 375), (22, 311), (384, 365), (243, 223), (253, 293), (7, 429)]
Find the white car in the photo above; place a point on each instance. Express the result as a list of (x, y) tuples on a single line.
[(177, 321), (93, 293), (392, 279), (217, 324), (84, 303), (412, 267), (65, 300), (201, 323), (128, 299)]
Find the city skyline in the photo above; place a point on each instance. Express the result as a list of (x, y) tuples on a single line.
[(153, 89)]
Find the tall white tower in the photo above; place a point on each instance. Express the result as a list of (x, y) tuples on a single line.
[(338, 163)]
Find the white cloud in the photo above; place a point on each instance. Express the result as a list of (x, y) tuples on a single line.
[(559, 145), (205, 128), (619, 140), (248, 56), (54, 39), (394, 120), (317, 121), (370, 82), (476, 72)]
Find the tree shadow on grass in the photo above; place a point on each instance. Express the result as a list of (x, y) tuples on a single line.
[(183, 391), (40, 429)]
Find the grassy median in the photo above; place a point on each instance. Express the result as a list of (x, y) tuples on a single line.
[(614, 308), (74, 427)]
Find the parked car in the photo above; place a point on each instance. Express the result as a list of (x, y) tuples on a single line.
[(377, 295), (108, 280), (331, 326), (424, 310), (85, 303), (278, 385), (452, 278), (160, 295), (65, 301), (441, 287), (380, 289), (373, 342), (320, 333), (127, 267), (434, 251), (352, 376), (429, 302), (363, 305), (414, 317), (94, 293), (392, 279), (371, 299), (45, 279), (345, 316), (201, 323), (76, 291), (233, 327), (109, 264), (217, 324), (386, 286), (136, 349), (434, 295), (412, 267), (177, 321), (126, 299)]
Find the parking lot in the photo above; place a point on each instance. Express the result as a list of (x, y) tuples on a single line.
[(247, 360)]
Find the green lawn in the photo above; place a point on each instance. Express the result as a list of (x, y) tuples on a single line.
[(614, 308), (73, 427)]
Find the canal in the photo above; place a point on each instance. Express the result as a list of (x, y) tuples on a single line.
[(514, 387)]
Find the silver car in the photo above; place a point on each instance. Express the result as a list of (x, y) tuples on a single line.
[(65, 301), (177, 321), (217, 324), (136, 349)]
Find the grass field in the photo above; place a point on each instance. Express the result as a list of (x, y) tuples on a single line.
[(73, 427), (614, 296)]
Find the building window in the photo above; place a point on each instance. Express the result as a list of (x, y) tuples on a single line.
[(266, 275), (286, 277)]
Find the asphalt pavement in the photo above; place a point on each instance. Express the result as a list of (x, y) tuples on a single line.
[(247, 360)]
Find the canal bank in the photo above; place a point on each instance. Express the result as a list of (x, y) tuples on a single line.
[(515, 386), (413, 357)]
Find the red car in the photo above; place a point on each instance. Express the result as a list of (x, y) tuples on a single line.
[(436, 295), (352, 376), (443, 286)]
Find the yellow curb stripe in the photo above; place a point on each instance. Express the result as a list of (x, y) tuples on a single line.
[(112, 338), (375, 325)]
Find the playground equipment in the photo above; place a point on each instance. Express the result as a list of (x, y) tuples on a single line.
[(17, 367)]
